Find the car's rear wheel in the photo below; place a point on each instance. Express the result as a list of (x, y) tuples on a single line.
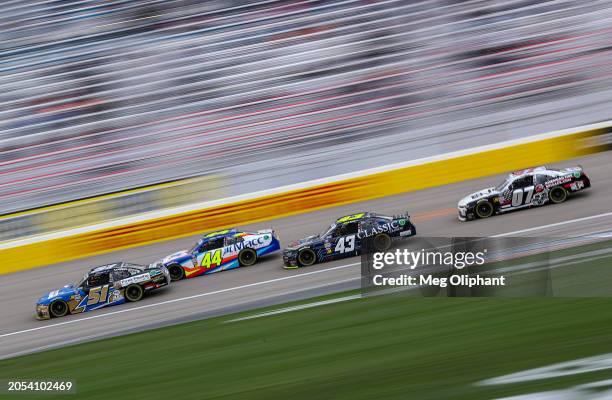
[(247, 257), (58, 308), (382, 242), (557, 195), (306, 257), (176, 272), (134, 292), (484, 209)]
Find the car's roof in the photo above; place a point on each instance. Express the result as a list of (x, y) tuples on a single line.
[(534, 170), (360, 216), (222, 233), (525, 171), (112, 266), (353, 217)]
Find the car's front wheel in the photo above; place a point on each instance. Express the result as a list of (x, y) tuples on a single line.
[(58, 308), (247, 257), (134, 292), (557, 195), (484, 209), (176, 272), (306, 257)]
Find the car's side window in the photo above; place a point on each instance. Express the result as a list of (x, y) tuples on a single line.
[(212, 244), (523, 182), (349, 228), (98, 279), (335, 232), (540, 179), (230, 240), (120, 274)]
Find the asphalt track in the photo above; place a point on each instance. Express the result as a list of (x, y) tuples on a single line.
[(433, 212)]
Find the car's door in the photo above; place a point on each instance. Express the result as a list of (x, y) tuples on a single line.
[(210, 254), (232, 247), (345, 241), (522, 191), (97, 288), (117, 276)]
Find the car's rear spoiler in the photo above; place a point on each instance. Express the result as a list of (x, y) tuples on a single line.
[(405, 215), (270, 231)]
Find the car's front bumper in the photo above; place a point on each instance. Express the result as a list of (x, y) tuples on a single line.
[(42, 312), (290, 259), (465, 214)]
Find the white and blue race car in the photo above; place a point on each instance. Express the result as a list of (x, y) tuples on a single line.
[(220, 251)]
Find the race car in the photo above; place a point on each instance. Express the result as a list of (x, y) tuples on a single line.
[(521, 189), (220, 251), (102, 286), (344, 238)]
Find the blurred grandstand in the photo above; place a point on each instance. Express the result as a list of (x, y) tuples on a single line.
[(102, 96)]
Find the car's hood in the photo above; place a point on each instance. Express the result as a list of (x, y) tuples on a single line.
[(63, 293), (477, 196), (302, 242), (176, 256)]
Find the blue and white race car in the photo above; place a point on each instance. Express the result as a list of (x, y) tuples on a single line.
[(103, 286), (220, 251)]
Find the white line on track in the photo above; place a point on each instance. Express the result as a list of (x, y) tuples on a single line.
[(180, 299), (537, 228), (296, 308), (274, 280)]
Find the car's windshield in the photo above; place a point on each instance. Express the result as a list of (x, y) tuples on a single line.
[(195, 246), (329, 230), (502, 185), (80, 282)]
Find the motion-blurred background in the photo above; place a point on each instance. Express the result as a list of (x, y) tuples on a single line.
[(103, 96)]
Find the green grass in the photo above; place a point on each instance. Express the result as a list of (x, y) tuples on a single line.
[(383, 347)]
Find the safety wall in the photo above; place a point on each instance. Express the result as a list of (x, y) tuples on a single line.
[(130, 231)]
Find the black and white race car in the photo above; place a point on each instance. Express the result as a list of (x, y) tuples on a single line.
[(522, 189), (345, 237)]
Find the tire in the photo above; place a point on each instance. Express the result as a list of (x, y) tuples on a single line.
[(484, 209), (134, 292), (247, 257), (557, 195), (176, 272), (58, 308), (382, 242), (306, 257)]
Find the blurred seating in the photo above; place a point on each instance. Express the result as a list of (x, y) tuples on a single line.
[(100, 96)]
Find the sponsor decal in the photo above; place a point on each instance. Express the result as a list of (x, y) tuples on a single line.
[(576, 174), (402, 222), (253, 243), (539, 198), (388, 227), (539, 188), (558, 181), (135, 279), (577, 185), (115, 296)]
